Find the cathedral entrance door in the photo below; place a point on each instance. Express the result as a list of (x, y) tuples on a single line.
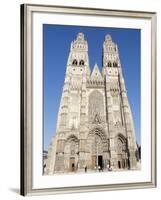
[(72, 164), (100, 162)]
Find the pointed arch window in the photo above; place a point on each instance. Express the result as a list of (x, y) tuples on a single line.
[(109, 64), (95, 106), (121, 144), (115, 64), (81, 62), (74, 62)]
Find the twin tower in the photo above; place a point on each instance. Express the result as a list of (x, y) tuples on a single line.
[(95, 127)]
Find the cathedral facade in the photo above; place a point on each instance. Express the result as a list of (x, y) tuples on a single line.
[(95, 127)]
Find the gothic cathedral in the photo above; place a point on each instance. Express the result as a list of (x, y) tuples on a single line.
[(95, 127)]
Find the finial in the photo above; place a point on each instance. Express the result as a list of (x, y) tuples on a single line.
[(80, 36), (95, 65), (108, 37)]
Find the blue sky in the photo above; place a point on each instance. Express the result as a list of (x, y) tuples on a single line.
[(56, 46)]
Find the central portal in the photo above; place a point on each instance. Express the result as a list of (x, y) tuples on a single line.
[(100, 162)]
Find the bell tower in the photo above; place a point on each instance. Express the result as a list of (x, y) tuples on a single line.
[(110, 53), (72, 109), (119, 115), (75, 79), (112, 73)]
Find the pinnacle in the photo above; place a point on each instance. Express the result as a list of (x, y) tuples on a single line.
[(108, 37), (80, 36), (96, 72), (96, 66)]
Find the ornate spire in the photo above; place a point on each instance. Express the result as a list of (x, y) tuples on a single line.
[(80, 37), (78, 56), (79, 44), (108, 38), (110, 53)]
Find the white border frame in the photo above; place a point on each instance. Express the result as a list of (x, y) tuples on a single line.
[(30, 183)]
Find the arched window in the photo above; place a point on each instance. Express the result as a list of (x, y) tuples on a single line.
[(95, 106), (74, 62), (121, 144), (81, 62), (71, 145), (115, 64), (109, 64)]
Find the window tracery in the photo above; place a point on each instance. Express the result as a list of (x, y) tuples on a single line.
[(96, 105)]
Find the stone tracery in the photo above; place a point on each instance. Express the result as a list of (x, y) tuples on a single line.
[(96, 105)]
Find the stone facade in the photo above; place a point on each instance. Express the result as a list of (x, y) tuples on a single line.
[(45, 157), (95, 128)]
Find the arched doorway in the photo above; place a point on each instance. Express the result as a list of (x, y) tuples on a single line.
[(98, 148), (121, 152), (71, 154), (97, 152)]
